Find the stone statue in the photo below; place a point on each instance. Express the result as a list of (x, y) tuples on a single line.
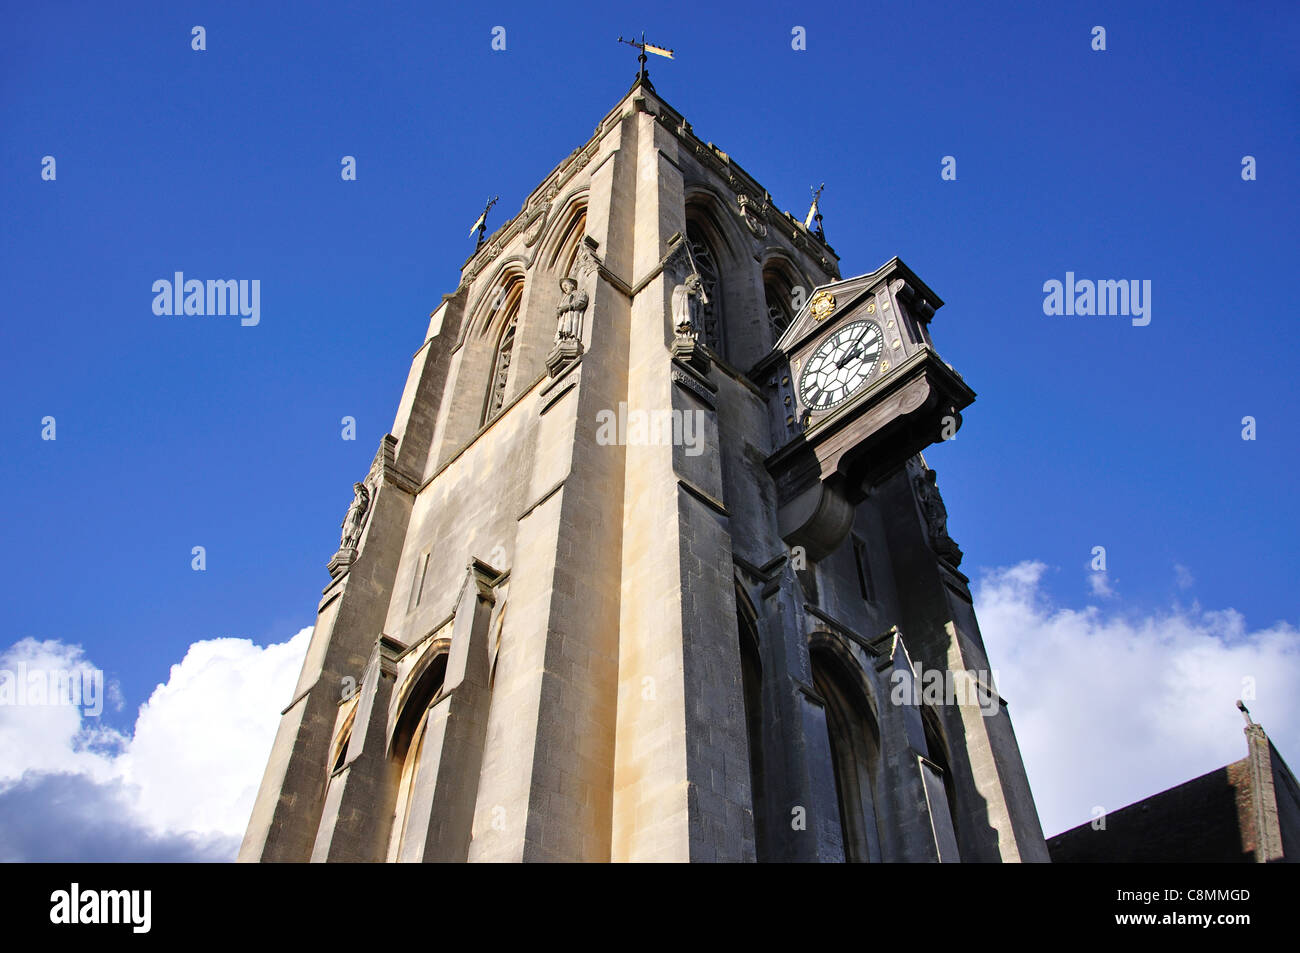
[(936, 516), (568, 316), (356, 518), (687, 300)]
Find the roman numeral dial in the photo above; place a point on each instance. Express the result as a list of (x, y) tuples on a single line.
[(841, 365)]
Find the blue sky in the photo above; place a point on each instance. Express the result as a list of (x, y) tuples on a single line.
[(179, 432)]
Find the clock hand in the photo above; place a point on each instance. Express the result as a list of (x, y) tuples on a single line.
[(845, 359), (854, 344)]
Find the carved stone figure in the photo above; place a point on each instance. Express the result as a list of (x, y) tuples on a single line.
[(568, 323), (356, 518), (568, 315), (536, 225), (936, 514), (587, 261), (751, 216), (687, 301), (936, 517)]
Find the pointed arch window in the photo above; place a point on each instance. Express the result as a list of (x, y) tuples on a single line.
[(408, 746), (507, 300), (855, 753), (565, 259), (937, 748), (706, 263), (778, 294), (340, 751)]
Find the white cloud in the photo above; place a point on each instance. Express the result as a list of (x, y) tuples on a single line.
[(68, 818), (1111, 707), (188, 772), (1099, 583), (53, 737)]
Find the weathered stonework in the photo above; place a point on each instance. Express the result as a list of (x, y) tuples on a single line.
[(547, 644)]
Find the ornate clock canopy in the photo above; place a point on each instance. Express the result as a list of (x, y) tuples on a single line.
[(856, 389)]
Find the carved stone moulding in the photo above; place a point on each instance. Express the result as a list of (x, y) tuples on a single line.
[(691, 352), (341, 562), (696, 383), (536, 225), (562, 354), (588, 261)]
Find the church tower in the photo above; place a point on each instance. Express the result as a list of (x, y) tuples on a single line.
[(651, 567)]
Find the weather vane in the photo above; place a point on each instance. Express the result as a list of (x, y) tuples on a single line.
[(481, 223), (815, 212), (643, 46)]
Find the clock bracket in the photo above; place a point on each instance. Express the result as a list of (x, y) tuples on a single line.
[(828, 468)]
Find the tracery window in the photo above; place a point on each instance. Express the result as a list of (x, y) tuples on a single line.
[(565, 259), (509, 298), (778, 294), (706, 263)]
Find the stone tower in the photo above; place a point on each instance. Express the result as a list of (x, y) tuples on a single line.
[(647, 567)]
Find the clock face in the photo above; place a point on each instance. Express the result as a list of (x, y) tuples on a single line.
[(841, 365)]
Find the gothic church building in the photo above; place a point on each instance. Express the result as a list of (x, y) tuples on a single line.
[(647, 552)]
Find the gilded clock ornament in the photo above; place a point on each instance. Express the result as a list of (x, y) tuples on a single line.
[(822, 305)]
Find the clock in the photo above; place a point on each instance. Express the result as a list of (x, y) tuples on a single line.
[(855, 390), (840, 366)]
